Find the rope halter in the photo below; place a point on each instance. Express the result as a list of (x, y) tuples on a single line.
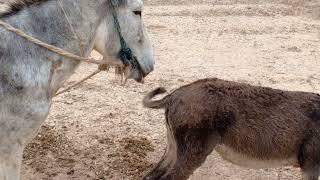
[(125, 54)]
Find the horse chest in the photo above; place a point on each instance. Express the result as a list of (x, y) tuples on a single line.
[(229, 154)]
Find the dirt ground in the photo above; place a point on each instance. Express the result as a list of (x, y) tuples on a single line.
[(101, 131)]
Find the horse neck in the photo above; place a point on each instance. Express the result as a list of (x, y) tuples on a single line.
[(48, 23)]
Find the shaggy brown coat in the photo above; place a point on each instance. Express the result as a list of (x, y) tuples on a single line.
[(252, 126)]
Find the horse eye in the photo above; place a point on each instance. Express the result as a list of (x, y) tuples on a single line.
[(138, 13)]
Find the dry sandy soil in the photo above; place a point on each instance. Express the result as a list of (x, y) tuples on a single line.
[(100, 129)]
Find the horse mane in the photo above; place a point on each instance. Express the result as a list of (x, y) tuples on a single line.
[(17, 5)]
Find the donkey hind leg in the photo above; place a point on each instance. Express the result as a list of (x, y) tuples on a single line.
[(309, 157), (10, 162), (185, 153), (167, 159), (193, 147)]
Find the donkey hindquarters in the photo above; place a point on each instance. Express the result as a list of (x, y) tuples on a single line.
[(250, 126)]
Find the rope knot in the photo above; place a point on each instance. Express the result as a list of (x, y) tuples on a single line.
[(125, 56)]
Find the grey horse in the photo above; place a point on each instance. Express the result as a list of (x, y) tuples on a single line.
[(30, 74)]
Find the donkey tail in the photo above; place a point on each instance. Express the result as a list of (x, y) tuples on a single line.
[(157, 104)]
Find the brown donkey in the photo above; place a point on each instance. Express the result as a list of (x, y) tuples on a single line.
[(255, 127)]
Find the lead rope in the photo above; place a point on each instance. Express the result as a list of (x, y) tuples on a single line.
[(102, 66), (49, 47)]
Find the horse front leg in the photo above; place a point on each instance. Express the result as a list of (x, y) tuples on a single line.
[(10, 162), (19, 123)]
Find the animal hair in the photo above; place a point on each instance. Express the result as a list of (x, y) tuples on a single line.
[(17, 5)]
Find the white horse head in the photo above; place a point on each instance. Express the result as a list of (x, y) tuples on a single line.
[(129, 15)]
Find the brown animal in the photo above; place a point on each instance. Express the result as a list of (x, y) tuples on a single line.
[(255, 127)]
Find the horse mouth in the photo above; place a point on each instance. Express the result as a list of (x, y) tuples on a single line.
[(139, 73), (140, 77)]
